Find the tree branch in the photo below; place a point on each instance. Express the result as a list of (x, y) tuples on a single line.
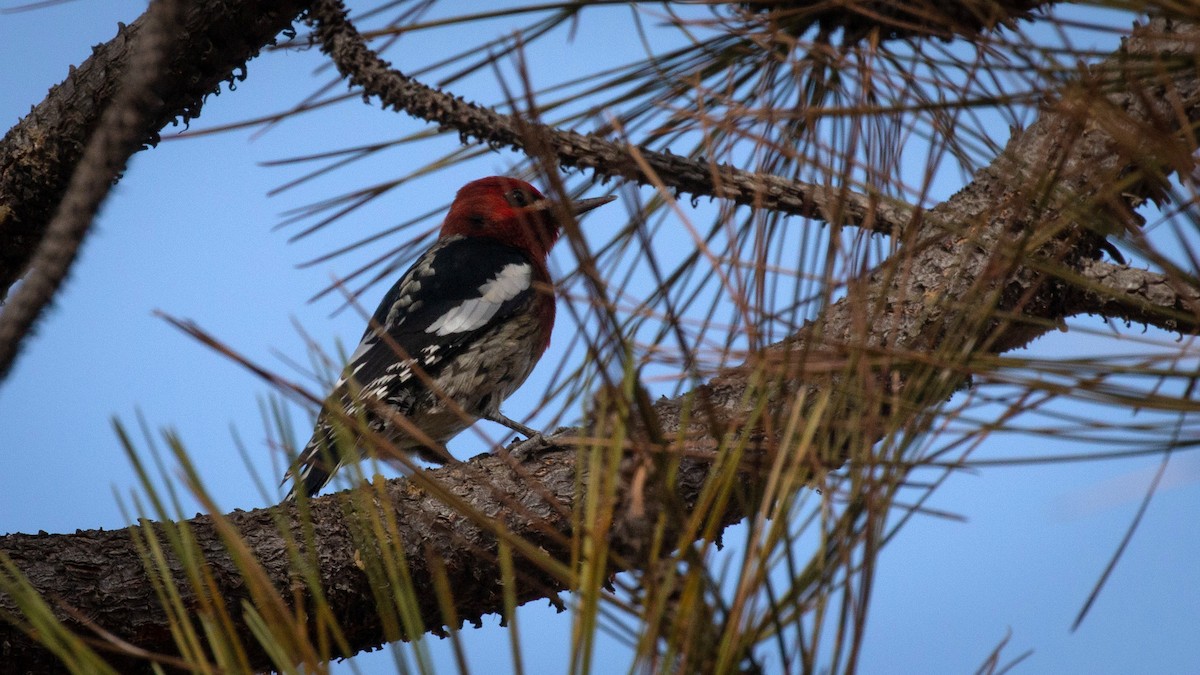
[(118, 136), (362, 67), (1141, 296), (107, 563), (39, 153)]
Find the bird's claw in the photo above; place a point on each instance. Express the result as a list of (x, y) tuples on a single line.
[(528, 449)]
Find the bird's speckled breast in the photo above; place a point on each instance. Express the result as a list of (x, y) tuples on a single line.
[(478, 379)]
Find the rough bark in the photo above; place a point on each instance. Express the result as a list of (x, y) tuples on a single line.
[(117, 137), (100, 574), (1138, 296), (39, 153)]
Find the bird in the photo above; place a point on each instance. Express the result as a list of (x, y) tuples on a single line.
[(458, 333)]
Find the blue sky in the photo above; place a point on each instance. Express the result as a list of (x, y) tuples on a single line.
[(190, 231)]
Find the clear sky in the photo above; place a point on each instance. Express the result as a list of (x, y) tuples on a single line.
[(190, 231)]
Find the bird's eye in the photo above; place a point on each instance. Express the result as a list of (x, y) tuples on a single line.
[(518, 198)]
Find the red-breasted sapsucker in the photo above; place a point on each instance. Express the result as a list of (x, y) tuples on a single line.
[(458, 333)]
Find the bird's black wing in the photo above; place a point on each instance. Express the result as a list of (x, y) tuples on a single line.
[(456, 290)]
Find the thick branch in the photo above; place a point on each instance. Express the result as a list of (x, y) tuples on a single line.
[(100, 574), (362, 67), (119, 135), (38, 155)]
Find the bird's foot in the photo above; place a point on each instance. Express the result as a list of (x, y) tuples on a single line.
[(521, 450), (529, 449), (516, 426)]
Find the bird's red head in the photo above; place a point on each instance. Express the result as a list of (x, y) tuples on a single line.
[(511, 211)]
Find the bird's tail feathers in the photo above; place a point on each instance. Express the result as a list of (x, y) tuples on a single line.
[(317, 463)]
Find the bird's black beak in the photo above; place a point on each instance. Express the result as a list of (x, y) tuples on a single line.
[(585, 205)]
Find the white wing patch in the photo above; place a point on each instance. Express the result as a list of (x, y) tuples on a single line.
[(361, 351), (509, 282)]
